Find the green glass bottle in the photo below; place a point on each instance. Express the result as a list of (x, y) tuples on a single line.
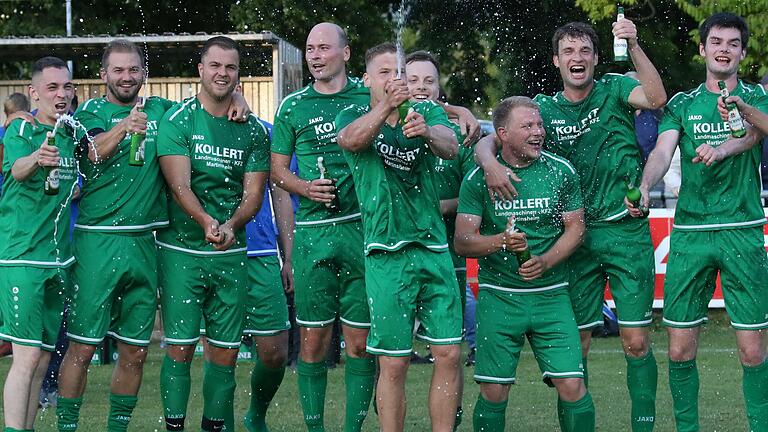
[(620, 46), (635, 197), (334, 206), (403, 109), (522, 256), (735, 121), (136, 157), (51, 174)]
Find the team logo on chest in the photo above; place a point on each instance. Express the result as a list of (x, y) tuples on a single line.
[(216, 156), (393, 157), (570, 132), (526, 209)]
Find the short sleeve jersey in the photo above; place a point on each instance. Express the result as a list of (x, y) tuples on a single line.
[(597, 135), (549, 187), (396, 186), (117, 196), (725, 195), (305, 124), (448, 174), (35, 225), (220, 153)]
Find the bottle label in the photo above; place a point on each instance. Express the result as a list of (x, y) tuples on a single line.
[(734, 120), (620, 48), (52, 181), (139, 156)]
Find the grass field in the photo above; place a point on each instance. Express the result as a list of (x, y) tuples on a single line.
[(531, 404)]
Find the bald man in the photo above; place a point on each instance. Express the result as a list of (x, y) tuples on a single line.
[(328, 244)]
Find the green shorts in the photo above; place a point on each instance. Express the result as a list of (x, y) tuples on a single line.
[(620, 253), (32, 304), (694, 260), (329, 275), (195, 288), (266, 309), (505, 320), (460, 268), (115, 288), (413, 282)]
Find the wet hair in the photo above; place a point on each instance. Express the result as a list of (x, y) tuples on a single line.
[(48, 62), (724, 20), (16, 102), (121, 46), (502, 111), (418, 56), (382, 48), (222, 42), (576, 30)]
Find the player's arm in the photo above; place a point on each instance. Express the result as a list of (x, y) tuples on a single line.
[(753, 115), (24, 167), (177, 172), (359, 135), (105, 143), (650, 94), (238, 108), (448, 207), (250, 203), (708, 155), (283, 208), (470, 127), (655, 168), (319, 190), (572, 237), (469, 242), (497, 176), (440, 139)]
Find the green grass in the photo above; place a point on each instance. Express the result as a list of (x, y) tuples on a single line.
[(531, 404)]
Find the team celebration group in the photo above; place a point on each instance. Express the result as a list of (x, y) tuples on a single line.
[(394, 193)]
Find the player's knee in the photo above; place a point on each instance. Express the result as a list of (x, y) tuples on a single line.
[(752, 355), (132, 356), (494, 393), (570, 389), (393, 369), (274, 358), (80, 354), (446, 354), (635, 345), (181, 353), (681, 352)]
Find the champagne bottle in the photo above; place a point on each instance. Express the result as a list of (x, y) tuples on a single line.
[(403, 109), (522, 256), (620, 48), (634, 196), (51, 174), (136, 157), (333, 206), (735, 121)]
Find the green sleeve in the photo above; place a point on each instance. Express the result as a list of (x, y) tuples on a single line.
[(472, 193), (166, 103), (671, 120), (17, 143), (283, 135), (623, 86), (435, 115), (467, 159), (89, 119), (258, 160), (171, 139), (347, 116), (759, 99), (571, 198), (457, 130)]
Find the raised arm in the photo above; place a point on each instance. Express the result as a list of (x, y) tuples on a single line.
[(440, 139), (650, 94), (498, 177), (105, 143), (24, 167), (469, 125)]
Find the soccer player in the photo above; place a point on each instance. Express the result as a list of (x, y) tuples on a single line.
[(115, 276), (591, 124), (35, 252), (328, 243), (408, 271), (423, 77), (528, 300), (718, 224), (215, 171)]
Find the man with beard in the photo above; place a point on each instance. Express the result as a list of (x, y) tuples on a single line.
[(115, 278), (591, 124), (35, 253), (215, 171), (718, 222)]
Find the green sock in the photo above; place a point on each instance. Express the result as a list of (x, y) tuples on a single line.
[(120, 411), (174, 392), (576, 416), (218, 397), (642, 377), (684, 385), (586, 374), (313, 379), (755, 387), (68, 413), (10, 429), (489, 416), (264, 384), (358, 382)]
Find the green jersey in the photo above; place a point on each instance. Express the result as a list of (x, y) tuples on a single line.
[(305, 125), (220, 152), (725, 195), (395, 184), (448, 174), (597, 135), (36, 226), (548, 188), (117, 196)]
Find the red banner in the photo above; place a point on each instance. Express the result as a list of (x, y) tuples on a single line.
[(661, 227)]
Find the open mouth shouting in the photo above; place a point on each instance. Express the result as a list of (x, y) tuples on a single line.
[(578, 71), (723, 60), (60, 106)]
